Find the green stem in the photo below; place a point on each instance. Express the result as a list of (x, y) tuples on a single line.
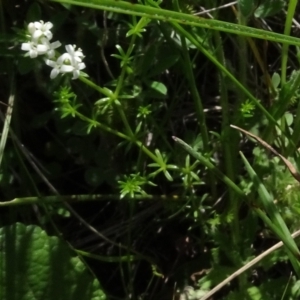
[(119, 134), (82, 198), (222, 68), (187, 65), (242, 53), (120, 83), (229, 142), (124, 67), (148, 152), (102, 126), (287, 32), (94, 86), (113, 97), (125, 121), (195, 94)]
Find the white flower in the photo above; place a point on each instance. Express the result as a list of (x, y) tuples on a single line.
[(65, 58), (51, 47), (76, 55), (66, 63), (44, 47), (39, 44), (58, 67), (34, 49), (76, 69), (39, 29)]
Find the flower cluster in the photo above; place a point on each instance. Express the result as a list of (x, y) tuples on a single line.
[(39, 44)]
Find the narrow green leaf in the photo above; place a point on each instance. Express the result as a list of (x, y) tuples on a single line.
[(246, 7), (268, 203), (187, 19)]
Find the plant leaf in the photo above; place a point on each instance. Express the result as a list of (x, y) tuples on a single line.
[(36, 266), (289, 165)]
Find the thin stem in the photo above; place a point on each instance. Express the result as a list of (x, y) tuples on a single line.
[(112, 97), (124, 68), (187, 64), (287, 32), (120, 83), (119, 134), (242, 53), (222, 68), (229, 142), (103, 126), (195, 94), (96, 87), (82, 198)]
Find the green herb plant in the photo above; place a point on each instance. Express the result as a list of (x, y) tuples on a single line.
[(148, 103)]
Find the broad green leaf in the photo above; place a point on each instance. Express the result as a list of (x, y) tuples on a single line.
[(269, 8), (246, 7), (35, 266)]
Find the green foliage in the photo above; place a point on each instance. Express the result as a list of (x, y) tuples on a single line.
[(247, 7), (36, 266), (269, 8), (132, 185), (153, 71), (247, 109)]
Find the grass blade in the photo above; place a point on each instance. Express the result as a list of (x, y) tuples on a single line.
[(187, 19)]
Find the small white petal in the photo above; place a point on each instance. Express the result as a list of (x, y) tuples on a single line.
[(31, 28), (51, 53), (26, 46), (38, 25), (33, 53), (50, 63), (42, 49), (66, 69), (48, 25), (78, 53), (77, 59), (75, 74), (74, 53), (70, 49), (55, 44), (31, 48), (48, 34), (54, 73), (52, 46), (64, 57), (38, 33), (81, 66)]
